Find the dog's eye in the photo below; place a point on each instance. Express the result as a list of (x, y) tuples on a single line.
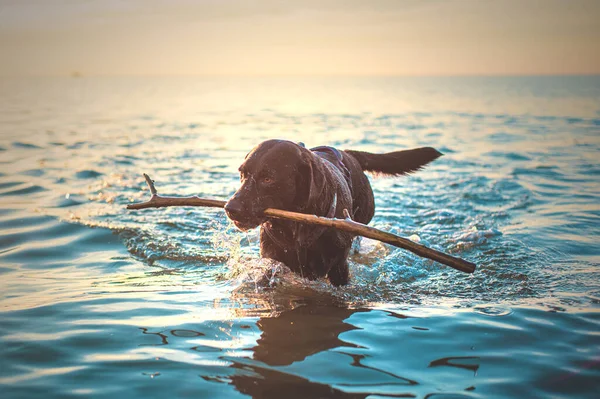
[(267, 180)]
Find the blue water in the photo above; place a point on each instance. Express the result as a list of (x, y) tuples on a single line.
[(97, 301)]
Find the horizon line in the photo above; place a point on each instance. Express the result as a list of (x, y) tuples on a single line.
[(79, 74)]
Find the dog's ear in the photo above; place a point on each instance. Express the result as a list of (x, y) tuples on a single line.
[(310, 183), (310, 193)]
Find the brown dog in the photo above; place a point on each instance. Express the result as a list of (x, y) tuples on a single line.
[(322, 181)]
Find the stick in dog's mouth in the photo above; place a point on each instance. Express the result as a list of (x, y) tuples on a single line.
[(347, 224)]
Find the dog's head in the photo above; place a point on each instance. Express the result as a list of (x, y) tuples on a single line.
[(275, 174)]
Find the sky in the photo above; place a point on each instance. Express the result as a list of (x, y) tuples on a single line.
[(307, 37)]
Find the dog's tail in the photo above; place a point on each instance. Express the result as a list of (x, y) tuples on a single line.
[(397, 162)]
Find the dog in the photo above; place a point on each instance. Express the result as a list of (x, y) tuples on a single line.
[(320, 181)]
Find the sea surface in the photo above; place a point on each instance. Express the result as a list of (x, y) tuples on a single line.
[(101, 302)]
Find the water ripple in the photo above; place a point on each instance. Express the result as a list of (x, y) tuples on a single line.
[(176, 302)]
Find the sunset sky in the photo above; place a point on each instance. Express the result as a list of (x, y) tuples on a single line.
[(325, 37)]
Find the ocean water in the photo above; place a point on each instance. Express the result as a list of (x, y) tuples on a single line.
[(97, 301)]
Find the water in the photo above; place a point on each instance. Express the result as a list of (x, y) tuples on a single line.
[(97, 301)]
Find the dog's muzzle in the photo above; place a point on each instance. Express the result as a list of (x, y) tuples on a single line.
[(244, 219)]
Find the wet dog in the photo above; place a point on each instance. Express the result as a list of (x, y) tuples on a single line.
[(321, 181)]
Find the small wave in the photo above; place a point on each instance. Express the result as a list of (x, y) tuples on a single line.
[(33, 172), (572, 120), (495, 311), (475, 237), (147, 246), (504, 137), (550, 171), (19, 144), (87, 174), (69, 200), (513, 156), (24, 189)]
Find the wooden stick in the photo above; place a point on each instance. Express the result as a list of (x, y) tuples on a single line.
[(347, 224)]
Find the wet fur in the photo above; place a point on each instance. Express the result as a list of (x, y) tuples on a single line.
[(284, 175)]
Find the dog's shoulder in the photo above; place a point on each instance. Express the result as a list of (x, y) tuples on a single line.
[(334, 157)]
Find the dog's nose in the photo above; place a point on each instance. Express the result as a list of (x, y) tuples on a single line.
[(233, 209)]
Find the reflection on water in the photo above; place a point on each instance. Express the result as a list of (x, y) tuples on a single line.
[(102, 302), (299, 333)]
